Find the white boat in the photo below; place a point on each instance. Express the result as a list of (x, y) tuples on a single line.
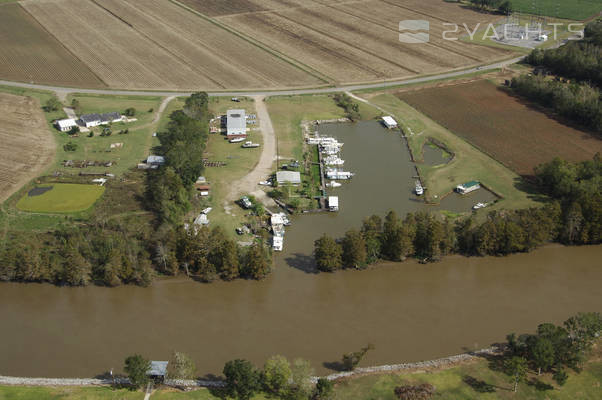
[(237, 140), (419, 189), (333, 184), (265, 183), (479, 205), (207, 210), (333, 160), (335, 174), (249, 145), (277, 243)]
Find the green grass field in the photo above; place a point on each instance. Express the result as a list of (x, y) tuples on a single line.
[(568, 9), (468, 164), (62, 198), (464, 382)]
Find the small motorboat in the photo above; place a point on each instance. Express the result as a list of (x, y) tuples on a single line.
[(419, 189), (265, 183), (249, 145), (479, 205), (333, 184), (206, 210), (237, 140)]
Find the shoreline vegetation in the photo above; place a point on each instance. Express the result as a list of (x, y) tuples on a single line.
[(554, 361), (573, 217)]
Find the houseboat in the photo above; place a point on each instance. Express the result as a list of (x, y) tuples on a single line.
[(468, 187)]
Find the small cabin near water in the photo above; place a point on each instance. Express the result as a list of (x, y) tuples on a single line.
[(468, 187)]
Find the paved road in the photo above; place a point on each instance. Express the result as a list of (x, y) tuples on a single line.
[(63, 91)]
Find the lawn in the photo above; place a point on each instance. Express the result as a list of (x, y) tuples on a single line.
[(61, 198), (287, 113), (468, 164), (573, 9)]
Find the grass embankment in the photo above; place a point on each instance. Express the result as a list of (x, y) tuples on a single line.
[(469, 163), (474, 380), (62, 198), (287, 113)]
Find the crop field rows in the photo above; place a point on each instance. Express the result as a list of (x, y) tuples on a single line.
[(160, 45), (30, 54), (356, 41), (503, 126), (27, 145)]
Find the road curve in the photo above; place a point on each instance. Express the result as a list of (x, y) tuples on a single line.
[(63, 91)]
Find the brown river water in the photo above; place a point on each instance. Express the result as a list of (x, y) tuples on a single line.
[(409, 311)]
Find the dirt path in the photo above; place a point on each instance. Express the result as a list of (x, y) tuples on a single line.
[(249, 183)]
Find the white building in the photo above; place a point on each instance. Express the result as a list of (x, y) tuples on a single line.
[(92, 120), (333, 203), (288, 177), (155, 160), (65, 125), (389, 122), (468, 187), (236, 123)]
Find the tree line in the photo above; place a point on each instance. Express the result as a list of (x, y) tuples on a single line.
[(578, 102), (501, 6), (572, 216), (352, 109), (581, 60)]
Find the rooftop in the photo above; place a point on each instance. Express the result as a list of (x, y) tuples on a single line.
[(389, 120), (157, 368), (236, 121), (86, 118), (288, 177)]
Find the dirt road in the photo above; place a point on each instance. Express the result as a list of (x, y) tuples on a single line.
[(249, 183)]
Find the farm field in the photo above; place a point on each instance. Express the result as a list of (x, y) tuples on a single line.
[(356, 41), (30, 54), (27, 144), (60, 198), (503, 126), (152, 44), (574, 9)]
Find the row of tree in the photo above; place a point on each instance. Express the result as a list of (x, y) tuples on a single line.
[(553, 348), (581, 60), (352, 109), (579, 102), (574, 216), (501, 6)]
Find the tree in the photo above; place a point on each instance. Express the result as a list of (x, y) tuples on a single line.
[(324, 389), (276, 375), (354, 250), (418, 392), (542, 353), (70, 146), (136, 367), (560, 376), (328, 254), (516, 367), (301, 385), (181, 366), (584, 329), (52, 104), (257, 264), (196, 106), (76, 106), (130, 112), (242, 379), (505, 8), (351, 360)]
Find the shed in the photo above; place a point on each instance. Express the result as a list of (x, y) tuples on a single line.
[(155, 160), (468, 187), (333, 203), (288, 177), (65, 125), (157, 370), (389, 122), (236, 123)]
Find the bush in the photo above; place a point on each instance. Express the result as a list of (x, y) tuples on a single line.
[(130, 112), (52, 104), (136, 367), (70, 146), (424, 391)]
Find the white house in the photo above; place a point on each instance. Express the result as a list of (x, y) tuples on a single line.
[(288, 177), (91, 120), (236, 123), (333, 203), (389, 122), (65, 125)]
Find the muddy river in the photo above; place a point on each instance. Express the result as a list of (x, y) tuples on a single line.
[(409, 311)]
